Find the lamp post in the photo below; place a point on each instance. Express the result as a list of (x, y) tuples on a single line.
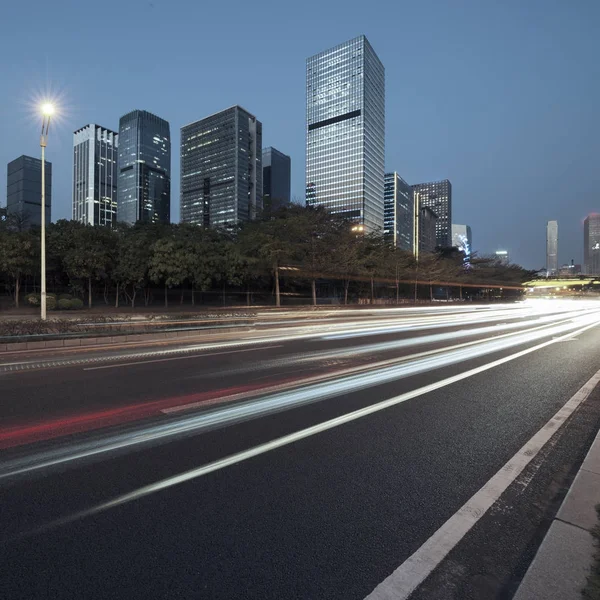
[(47, 112)]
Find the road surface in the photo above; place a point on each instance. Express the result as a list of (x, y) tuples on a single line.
[(364, 454)]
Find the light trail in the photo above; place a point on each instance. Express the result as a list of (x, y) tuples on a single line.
[(301, 435), (285, 400)]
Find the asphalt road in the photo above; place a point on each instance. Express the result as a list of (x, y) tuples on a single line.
[(310, 460)]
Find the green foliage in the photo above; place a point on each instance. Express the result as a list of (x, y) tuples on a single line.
[(294, 246), (76, 304), (33, 299), (50, 302), (64, 304)]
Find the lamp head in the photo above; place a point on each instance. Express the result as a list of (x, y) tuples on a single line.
[(47, 109)]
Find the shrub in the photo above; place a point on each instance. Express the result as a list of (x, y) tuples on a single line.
[(33, 299), (50, 302), (76, 304), (64, 303), (65, 297)]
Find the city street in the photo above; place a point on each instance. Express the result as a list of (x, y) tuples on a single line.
[(337, 456)]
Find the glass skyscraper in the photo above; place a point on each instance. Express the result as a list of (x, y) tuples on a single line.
[(144, 185), (345, 132), (552, 247), (437, 195), (462, 238), (221, 169), (591, 244), (276, 179), (24, 191), (95, 156), (399, 210)]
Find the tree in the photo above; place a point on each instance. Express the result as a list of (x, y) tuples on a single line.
[(169, 263), (18, 254)]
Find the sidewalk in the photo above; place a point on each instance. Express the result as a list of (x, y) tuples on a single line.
[(562, 562)]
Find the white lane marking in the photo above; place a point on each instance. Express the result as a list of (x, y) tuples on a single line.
[(413, 571), (145, 362), (336, 422)]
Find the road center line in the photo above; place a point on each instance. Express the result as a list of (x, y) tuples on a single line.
[(155, 360), (413, 571)]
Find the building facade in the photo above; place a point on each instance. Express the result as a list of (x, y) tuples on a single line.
[(398, 212), (221, 169), (345, 132), (502, 257), (462, 238), (95, 157), (437, 195), (276, 168), (24, 191), (427, 229), (144, 181), (552, 248), (591, 244)]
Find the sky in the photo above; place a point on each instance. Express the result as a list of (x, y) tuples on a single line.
[(499, 96)]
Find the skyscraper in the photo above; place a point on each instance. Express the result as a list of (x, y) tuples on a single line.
[(345, 132), (427, 229), (95, 156), (437, 195), (502, 257), (144, 183), (552, 248), (398, 214), (276, 168), (24, 191), (591, 244), (221, 169), (462, 238)]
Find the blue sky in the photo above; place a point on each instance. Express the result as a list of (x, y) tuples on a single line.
[(499, 96)]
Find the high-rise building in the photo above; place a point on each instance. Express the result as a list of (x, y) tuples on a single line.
[(552, 248), (276, 179), (437, 195), (24, 191), (462, 238), (591, 244), (502, 257), (95, 156), (345, 132), (398, 213), (221, 169), (144, 182), (427, 229)]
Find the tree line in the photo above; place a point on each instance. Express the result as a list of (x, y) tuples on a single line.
[(297, 246)]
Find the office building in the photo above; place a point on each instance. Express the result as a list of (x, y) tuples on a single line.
[(552, 248), (345, 132), (95, 157), (437, 195), (427, 229), (144, 182), (221, 169), (398, 212), (276, 179), (591, 244), (462, 238), (24, 191), (502, 257)]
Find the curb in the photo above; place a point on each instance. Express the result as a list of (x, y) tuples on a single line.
[(560, 567)]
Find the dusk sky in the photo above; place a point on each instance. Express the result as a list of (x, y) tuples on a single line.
[(499, 96)]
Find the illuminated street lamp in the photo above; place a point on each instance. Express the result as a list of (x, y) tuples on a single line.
[(47, 112)]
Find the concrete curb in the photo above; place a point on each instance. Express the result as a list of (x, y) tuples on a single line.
[(561, 565)]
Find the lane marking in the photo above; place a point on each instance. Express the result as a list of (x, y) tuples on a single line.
[(413, 571), (145, 362), (418, 566)]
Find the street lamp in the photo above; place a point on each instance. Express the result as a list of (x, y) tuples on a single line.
[(47, 112)]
